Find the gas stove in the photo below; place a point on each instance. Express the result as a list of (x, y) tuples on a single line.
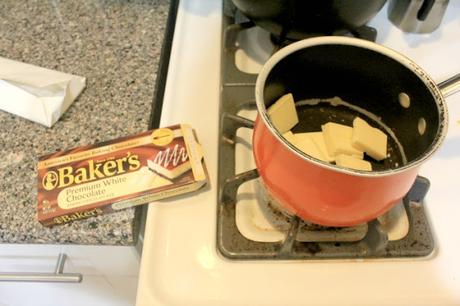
[(249, 225), (185, 262)]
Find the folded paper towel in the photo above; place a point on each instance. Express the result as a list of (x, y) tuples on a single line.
[(35, 93)]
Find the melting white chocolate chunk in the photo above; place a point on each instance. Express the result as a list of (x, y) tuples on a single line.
[(306, 145), (318, 139), (289, 137), (283, 114), (338, 143), (369, 139), (338, 140), (352, 162)]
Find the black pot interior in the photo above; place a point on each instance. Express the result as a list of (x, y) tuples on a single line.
[(366, 79)]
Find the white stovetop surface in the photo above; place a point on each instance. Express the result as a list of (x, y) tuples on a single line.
[(180, 264)]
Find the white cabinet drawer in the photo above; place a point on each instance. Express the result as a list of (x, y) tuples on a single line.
[(110, 275), (93, 290), (88, 260)]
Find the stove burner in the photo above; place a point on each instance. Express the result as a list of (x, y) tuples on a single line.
[(293, 238), (281, 40), (259, 218), (310, 241)]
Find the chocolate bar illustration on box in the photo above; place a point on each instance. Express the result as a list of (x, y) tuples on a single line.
[(170, 163)]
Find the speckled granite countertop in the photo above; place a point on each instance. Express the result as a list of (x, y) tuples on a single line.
[(116, 46)]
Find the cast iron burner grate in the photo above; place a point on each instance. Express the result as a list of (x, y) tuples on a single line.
[(238, 94)]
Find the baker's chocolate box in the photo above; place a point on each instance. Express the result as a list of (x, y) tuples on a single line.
[(97, 179)]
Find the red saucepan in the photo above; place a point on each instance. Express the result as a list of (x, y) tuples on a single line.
[(336, 79)]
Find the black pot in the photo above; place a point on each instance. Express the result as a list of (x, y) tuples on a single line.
[(298, 19)]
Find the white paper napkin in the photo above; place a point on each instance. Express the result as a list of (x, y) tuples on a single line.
[(38, 94)]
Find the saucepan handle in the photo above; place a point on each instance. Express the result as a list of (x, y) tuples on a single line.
[(450, 86)]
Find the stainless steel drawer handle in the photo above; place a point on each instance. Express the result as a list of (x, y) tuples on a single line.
[(57, 277)]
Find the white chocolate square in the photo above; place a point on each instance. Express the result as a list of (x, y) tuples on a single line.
[(283, 114), (337, 138), (290, 137), (352, 162), (306, 145), (318, 140), (369, 139)]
